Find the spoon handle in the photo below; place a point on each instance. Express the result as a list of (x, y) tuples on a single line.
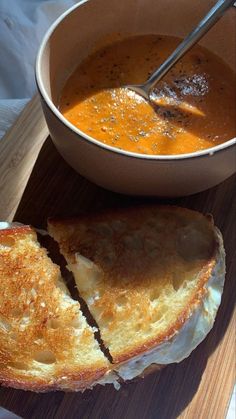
[(204, 25)]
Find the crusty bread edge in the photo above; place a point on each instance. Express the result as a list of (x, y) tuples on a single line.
[(111, 212), (23, 229), (76, 382)]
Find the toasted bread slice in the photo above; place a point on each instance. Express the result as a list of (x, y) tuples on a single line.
[(45, 341), (152, 278)]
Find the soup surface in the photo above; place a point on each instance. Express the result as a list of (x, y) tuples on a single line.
[(193, 107)]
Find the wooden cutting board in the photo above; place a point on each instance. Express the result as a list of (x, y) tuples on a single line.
[(200, 386)]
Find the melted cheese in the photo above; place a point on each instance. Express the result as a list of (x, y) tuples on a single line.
[(85, 270)]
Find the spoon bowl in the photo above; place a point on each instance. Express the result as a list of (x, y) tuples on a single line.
[(215, 13)]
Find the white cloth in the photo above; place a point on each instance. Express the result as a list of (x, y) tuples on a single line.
[(22, 26)]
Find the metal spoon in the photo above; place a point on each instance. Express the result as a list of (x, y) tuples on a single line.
[(206, 23)]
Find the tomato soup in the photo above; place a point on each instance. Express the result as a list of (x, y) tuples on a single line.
[(193, 107)]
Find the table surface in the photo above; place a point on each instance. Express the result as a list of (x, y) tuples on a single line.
[(201, 385)]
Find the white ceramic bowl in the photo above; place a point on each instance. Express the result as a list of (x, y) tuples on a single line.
[(72, 37)]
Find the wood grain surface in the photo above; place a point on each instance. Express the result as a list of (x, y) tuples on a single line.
[(19, 149), (200, 386)]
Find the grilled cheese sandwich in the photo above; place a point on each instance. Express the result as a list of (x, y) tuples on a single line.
[(152, 278)]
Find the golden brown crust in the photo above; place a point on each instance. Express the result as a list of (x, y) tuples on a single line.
[(91, 236), (74, 382), (45, 343), (16, 230)]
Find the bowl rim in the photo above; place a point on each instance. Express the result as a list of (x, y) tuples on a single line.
[(82, 135)]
